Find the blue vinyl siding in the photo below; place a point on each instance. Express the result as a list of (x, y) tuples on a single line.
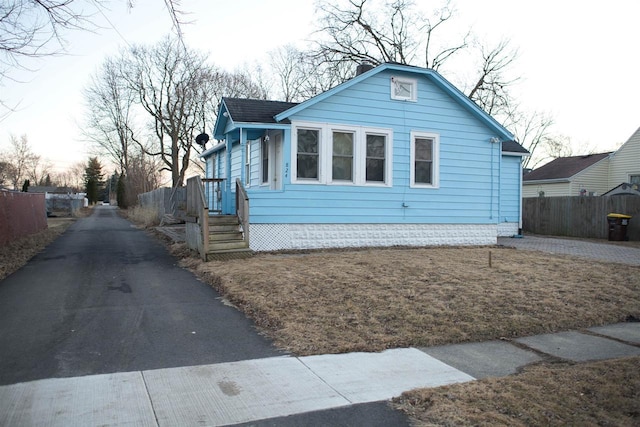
[(468, 164), (510, 185), (477, 185)]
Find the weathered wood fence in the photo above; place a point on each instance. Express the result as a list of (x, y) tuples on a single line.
[(21, 214), (579, 216), (165, 201)]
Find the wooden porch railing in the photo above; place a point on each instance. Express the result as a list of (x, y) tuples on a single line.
[(213, 193), (197, 217), (242, 208)]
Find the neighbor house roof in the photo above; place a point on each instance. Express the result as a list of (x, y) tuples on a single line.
[(564, 167)]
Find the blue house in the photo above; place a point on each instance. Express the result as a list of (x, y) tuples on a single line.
[(395, 156)]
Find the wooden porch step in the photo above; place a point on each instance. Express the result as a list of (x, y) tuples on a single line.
[(230, 254), (226, 245), (225, 236), (222, 219)]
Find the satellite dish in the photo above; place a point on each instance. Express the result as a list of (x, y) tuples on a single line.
[(202, 139)]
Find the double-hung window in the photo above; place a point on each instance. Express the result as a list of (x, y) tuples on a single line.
[(338, 154), (376, 159), (424, 159), (308, 154), (342, 156)]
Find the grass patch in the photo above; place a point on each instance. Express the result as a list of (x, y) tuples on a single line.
[(16, 254), (144, 217), (599, 393), (371, 300)]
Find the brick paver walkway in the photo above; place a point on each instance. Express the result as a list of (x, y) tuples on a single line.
[(609, 252)]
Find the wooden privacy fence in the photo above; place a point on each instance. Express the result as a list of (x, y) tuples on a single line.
[(21, 214), (579, 216)]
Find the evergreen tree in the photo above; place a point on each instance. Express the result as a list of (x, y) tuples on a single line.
[(93, 179), (25, 186), (121, 193)]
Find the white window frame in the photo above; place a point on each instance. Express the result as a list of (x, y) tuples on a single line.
[(353, 159), (396, 81), (435, 167), (325, 153), (247, 164), (294, 154)]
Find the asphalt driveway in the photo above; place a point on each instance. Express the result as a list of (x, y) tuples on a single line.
[(105, 297)]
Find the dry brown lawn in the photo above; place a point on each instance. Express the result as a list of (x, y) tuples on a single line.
[(590, 394), (371, 300), (16, 254)]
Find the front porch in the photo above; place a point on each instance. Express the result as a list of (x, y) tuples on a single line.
[(216, 223)]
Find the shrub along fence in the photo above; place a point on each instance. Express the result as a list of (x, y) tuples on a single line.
[(579, 216), (21, 214)]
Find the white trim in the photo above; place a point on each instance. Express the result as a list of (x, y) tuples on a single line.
[(435, 166), (325, 153)]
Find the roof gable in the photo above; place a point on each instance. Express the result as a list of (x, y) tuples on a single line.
[(432, 75), (564, 167), (235, 112)]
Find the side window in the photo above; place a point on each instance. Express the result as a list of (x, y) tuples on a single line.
[(424, 161), (247, 164), (308, 154), (376, 161), (342, 156)]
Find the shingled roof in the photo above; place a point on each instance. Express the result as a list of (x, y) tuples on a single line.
[(513, 147), (564, 167), (255, 110)]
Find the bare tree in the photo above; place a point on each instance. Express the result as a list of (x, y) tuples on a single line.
[(20, 157), (491, 85), (396, 31), (110, 104), (38, 169), (174, 86)]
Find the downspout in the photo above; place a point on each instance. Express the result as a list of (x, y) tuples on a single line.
[(520, 177)]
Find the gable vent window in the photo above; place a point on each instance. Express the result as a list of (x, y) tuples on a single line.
[(404, 89)]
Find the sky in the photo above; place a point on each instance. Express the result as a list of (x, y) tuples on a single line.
[(578, 61)]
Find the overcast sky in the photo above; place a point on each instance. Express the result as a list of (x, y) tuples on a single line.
[(578, 61)]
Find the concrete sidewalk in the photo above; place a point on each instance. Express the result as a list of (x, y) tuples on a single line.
[(252, 390)]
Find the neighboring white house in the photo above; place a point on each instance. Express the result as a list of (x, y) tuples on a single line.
[(588, 175)]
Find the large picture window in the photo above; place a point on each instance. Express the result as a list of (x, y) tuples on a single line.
[(424, 159), (308, 161), (342, 158)]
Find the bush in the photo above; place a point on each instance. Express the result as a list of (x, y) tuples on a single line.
[(143, 216)]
